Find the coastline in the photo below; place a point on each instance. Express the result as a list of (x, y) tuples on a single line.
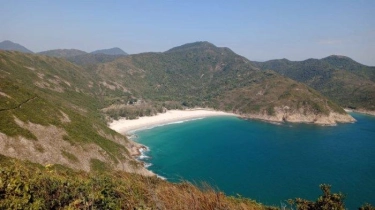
[(125, 126), (361, 111), (137, 150)]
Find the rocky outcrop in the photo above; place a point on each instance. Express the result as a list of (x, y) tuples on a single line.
[(284, 114), (362, 111)]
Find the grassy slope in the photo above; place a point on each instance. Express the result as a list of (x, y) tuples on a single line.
[(343, 80), (52, 87), (24, 185)]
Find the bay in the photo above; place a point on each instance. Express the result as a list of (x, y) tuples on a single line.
[(267, 162)]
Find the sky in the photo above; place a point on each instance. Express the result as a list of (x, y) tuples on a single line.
[(257, 30)]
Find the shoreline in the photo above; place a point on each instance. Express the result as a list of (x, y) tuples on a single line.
[(137, 150), (126, 127), (366, 112)]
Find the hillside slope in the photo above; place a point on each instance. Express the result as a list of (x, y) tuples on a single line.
[(341, 79), (201, 74), (48, 114)]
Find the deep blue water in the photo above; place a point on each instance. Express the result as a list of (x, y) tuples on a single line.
[(267, 162)]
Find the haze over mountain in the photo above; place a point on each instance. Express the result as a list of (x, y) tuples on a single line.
[(340, 78), (8, 45), (111, 51), (63, 53), (83, 58), (92, 59)]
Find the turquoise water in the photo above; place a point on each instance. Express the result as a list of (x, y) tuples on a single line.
[(267, 162)]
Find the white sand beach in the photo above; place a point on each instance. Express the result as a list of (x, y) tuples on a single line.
[(124, 126)]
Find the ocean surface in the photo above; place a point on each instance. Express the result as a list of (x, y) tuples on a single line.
[(267, 162)]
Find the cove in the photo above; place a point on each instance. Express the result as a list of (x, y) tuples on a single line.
[(267, 162)]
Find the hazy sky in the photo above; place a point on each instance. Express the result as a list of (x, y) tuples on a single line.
[(258, 30)]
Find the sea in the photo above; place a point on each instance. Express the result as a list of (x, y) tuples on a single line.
[(266, 162)]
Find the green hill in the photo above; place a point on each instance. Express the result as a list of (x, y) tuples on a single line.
[(341, 79), (348, 64), (201, 74)]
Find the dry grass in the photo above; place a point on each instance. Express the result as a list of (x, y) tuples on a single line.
[(54, 186)]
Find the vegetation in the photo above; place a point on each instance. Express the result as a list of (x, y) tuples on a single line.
[(344, 81), (327, 201), (40, 93), (24, 185), (45, 91), (76, 102), (203, 75), (92, 59)]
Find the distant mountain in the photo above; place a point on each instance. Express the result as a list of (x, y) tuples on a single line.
[(348, 64), (340, 78), (192, 46), (91, 59), (111, 51), (63, 53), (83, 58), (8, 45)]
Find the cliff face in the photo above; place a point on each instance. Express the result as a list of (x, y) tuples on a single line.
[(283, 114)]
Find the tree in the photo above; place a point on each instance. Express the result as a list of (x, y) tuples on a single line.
[(327, 201)]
